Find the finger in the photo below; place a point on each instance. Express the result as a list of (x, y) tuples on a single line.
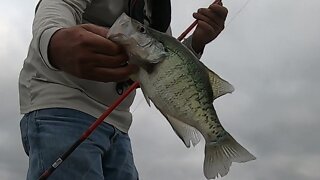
[(96, 39), (113, 74), (208, 29), (215, 13), (101, 60), (218, 2), (104, 46), (220, 10), (215, 23), (101, 31), (107, 47)]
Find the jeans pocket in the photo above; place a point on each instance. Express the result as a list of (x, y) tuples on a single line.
[(24, 133)]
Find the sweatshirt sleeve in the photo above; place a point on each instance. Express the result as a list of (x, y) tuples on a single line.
[(51, 16), (187, 42)]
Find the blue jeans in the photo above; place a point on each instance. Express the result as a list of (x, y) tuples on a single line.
[(48, 133)]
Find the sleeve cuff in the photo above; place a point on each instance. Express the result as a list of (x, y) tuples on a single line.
[(188, 42), (44, 44)]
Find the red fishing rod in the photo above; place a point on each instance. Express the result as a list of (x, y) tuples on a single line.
[(99, 120), (186, 32), (87, 133)]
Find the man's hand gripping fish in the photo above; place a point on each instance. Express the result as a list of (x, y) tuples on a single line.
[(183, 89)]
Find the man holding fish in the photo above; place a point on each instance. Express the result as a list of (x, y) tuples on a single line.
[(72, 73)]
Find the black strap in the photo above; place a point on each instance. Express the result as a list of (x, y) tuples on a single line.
[(161, 13), (136, 10), (37, 7), (160, 20)]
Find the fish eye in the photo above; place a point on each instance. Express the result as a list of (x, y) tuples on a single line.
[(142, 29)]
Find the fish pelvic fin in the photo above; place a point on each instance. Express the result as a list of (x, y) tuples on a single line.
[(188, 134), (220, 155)]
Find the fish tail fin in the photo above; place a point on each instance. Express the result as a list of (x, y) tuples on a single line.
[(220, 155)]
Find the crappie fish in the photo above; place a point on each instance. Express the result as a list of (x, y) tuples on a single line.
[(183, 90)]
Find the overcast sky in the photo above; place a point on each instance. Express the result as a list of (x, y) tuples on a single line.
[(270, 52)]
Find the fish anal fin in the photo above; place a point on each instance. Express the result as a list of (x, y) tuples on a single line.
[(188, 134)]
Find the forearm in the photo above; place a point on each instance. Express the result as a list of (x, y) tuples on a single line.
[(52, 16), (210, 23)]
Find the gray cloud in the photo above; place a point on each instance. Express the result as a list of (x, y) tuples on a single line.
[(269, 52), (13, 162)]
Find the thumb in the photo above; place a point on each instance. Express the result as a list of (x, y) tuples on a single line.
[(219, 2), (99, 30)]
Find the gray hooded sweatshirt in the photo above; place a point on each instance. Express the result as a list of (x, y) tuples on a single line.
[(42, 86)]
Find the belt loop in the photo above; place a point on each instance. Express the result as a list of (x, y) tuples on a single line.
[(115, 134)]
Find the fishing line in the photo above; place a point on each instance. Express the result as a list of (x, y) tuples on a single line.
[(238, 12), (99, 120)]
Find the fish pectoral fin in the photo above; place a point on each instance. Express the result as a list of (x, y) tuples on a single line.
[(146, 97), (148, 67), (185, 132)]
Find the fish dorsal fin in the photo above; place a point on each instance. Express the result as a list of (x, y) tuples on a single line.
[(219, 86), (185, 132)]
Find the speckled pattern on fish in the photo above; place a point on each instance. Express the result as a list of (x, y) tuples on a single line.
[(183, 89)]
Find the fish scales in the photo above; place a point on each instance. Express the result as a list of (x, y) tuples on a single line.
[(183, 90), (182, 87), (194, 88)]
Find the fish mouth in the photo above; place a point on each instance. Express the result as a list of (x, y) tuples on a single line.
[(145, 45)]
